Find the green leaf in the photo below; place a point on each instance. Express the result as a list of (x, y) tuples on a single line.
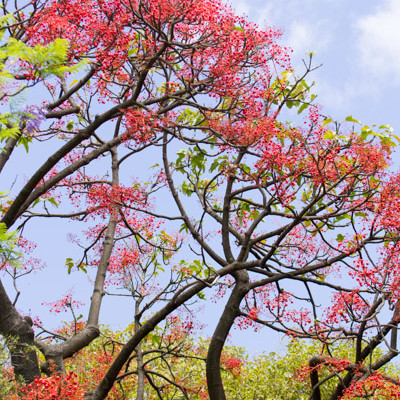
[(303, 107), (329, 135), (25, 140), (339, 238), (201, 296), (319, 226), (186, 188), (70, 264), (245, 168), (388, 128), (52, 200), (35, 202), (361, 214), (181, 155), (396, 137), (198, 162), (184, 227), (351, 119), (156, 340), (82, 267), (8, 243)]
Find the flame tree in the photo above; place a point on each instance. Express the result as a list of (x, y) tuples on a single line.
[(274, 213)]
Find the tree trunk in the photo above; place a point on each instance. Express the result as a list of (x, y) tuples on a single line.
[(231, 311), (139, 352), (19, 338)]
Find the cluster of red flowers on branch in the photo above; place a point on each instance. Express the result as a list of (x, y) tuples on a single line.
[(54, 387)]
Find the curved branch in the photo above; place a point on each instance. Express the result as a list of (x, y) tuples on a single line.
[(231, 311)]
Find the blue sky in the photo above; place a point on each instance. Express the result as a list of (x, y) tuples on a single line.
[(358, 44)]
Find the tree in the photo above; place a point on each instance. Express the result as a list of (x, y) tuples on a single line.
[(279, 211), (174, 363)]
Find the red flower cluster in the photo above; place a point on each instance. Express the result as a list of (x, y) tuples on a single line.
[(52, 388)]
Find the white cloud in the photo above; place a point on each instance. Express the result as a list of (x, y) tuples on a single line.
[(256, 11), (304, 36), (379, 41), (304, 29), (339, 98), (241, 6), (300, 37)]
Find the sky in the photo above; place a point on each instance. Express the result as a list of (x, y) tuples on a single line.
[(357, 44)]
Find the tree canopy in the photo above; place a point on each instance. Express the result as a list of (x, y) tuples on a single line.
[(294, 225)]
